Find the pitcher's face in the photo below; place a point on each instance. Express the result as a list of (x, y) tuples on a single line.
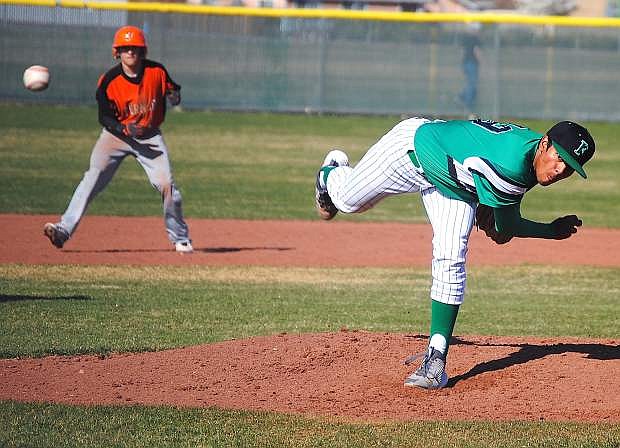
[(548, 164)]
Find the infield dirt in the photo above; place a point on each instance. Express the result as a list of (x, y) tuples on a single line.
[(349, 374)]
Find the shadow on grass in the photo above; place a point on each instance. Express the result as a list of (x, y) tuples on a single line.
[(531, 352), (23, 298), (207, 250)]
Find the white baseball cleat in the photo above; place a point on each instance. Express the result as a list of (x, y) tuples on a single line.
[(336, 157), (184, 247), (431, 374), (324, 205)]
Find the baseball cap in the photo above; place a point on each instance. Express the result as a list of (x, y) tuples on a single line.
[(573, 143)]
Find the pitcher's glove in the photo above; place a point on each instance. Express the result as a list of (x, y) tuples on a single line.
[(485, 220)]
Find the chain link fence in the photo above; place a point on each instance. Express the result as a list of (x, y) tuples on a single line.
[(326, 64)]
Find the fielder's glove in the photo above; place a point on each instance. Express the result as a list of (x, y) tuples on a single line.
[(174, 97), (485, 220)]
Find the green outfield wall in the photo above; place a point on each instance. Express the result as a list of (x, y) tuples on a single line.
[(332, 61)]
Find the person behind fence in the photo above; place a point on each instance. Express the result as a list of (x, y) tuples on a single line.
[(471, 67), (465, 171), (132, 105)]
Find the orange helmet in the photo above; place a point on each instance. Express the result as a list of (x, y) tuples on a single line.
[(128, 36)]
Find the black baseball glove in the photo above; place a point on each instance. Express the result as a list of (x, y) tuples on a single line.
[(174, 97), (485, 220)]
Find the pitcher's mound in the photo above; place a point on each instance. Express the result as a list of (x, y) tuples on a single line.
[(349, 374)]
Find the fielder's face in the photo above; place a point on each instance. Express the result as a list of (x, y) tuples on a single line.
[(548, 164), (131, 57)]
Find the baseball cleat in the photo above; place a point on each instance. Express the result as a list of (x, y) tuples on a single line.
[(324, 205), (184, 247), (56, 235), (431, 374), (336, 157)]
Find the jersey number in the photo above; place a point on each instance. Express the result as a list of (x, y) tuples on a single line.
[(495, 126)]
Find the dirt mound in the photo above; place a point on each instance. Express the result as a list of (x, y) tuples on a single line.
[(350, 375)]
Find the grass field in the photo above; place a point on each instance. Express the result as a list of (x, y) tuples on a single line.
[(251, 166), (259, 166)]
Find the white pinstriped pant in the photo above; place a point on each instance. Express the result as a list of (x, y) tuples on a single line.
[(386, 170)]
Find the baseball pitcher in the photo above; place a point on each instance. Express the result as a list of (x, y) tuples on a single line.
[(467, 172), (132, 105)]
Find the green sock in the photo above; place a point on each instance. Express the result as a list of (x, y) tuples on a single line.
[(443, 318)]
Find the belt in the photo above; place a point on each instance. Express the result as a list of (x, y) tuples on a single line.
[(149, 133)]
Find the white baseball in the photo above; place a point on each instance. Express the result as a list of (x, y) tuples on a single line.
[(36, 78)]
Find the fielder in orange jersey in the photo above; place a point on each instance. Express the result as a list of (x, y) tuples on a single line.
[(132, 106)]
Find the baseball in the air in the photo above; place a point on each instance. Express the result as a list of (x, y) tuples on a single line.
[(36, 78)]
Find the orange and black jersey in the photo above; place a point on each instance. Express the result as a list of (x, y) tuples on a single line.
[(141, 100)]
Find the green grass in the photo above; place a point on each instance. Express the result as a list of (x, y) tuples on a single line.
[(74, 309), (44, 425), (252, 166), (262, 166), (102, 309)]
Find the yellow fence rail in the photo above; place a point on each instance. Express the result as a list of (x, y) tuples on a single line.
[(340, 14)]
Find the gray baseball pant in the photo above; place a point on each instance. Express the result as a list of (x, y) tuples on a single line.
[(107, 155)]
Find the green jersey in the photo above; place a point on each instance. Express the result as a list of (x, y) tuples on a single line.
[(479, 160)]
